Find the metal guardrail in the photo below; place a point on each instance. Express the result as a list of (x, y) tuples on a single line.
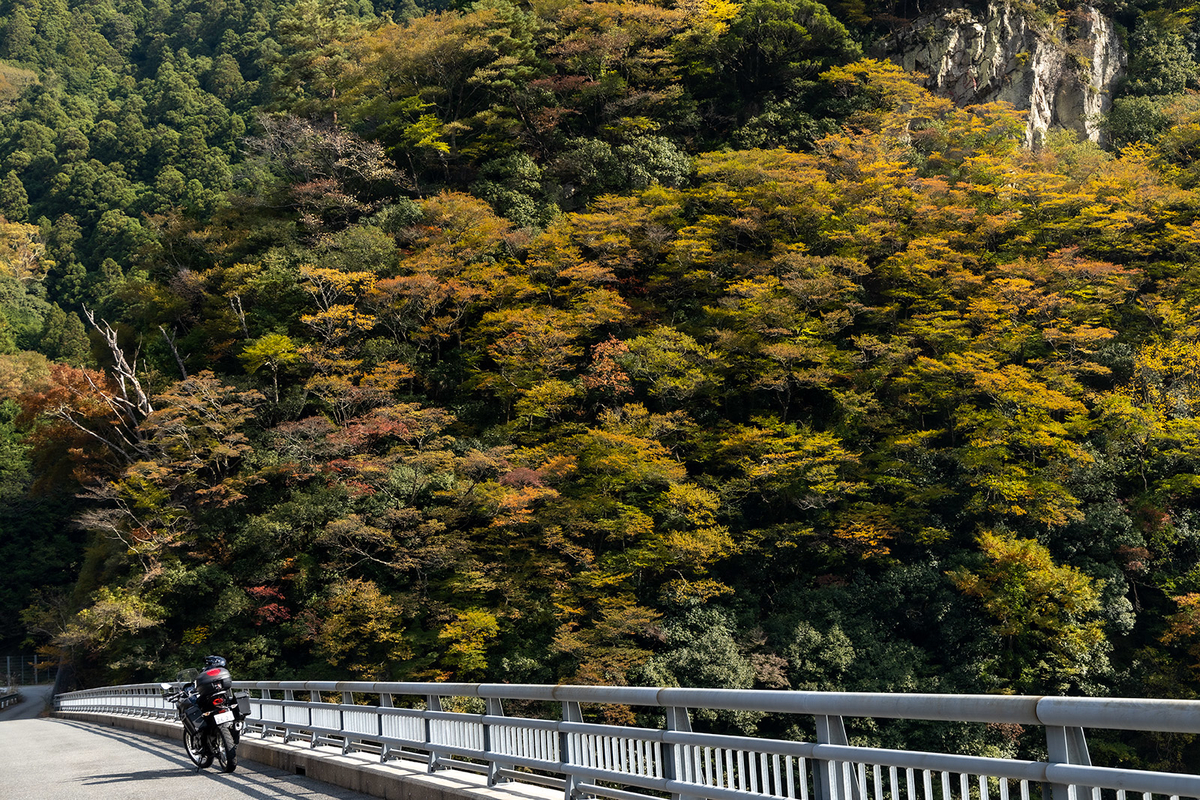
[(630, 763), (9, 698)]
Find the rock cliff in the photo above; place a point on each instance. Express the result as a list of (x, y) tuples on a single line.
[(1061, 69)]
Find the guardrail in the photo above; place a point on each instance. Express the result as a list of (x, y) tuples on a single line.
[(9, 698), (587, 759)]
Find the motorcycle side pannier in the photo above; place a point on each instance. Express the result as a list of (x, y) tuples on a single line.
[(243, 702), (193, 717), (212, 681)]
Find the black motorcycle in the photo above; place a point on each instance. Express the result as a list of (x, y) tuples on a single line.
[(213, 717)]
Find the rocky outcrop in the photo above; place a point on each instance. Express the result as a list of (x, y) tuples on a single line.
[(1062, 70)]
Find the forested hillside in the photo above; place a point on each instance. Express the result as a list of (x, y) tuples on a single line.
[(608, 342)]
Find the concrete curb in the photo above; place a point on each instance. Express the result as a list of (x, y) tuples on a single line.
[(360, 772)]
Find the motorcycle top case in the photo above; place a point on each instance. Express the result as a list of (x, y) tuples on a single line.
[(212, 681)]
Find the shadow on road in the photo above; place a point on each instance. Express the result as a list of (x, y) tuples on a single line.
[(258, 781), (143, 775)]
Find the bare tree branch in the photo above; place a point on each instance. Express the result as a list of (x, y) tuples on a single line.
[(126, 371), (174, 350)]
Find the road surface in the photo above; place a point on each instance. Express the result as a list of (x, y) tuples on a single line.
[(33, 702), (53, 759)]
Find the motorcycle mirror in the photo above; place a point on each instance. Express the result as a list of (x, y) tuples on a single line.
[(166, 687)]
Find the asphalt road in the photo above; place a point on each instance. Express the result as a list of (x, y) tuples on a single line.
[(33, 702), (52, 759)]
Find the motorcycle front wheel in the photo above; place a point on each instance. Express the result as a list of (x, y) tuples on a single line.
[(197, 752), (225, 749)]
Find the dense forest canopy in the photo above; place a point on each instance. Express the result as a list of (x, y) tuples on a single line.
[(611, 342)]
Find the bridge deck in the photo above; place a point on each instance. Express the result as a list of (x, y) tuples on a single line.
[(66, 760)]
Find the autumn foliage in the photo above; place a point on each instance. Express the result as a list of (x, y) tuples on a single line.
[(521, 350)]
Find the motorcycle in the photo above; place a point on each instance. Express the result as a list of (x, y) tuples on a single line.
[(213, 716)]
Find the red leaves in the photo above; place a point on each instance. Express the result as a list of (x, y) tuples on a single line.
[(521, 477), (271, 612)]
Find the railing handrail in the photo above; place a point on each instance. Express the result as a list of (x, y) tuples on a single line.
[(1148, 714), (695, 765)]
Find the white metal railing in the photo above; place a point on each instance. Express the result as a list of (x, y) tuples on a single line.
[(629, 763)]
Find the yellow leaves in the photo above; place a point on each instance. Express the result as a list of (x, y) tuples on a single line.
[(467, 637), (931, 275), (458, 229), (692, 504), (684, 592), (338, 322), (22, 372), (547, 400), (629, 525), (699, 548), (193, 637), (348, 388), (361, 631), (1014, 386), (807, 468), (612, 231), (1028, 595), (675, 365), (865, 537), (889, 85), (328, 286), (113, 614), (695, 542), (621, 460), (22, 251), (606, 646), (1167, 376)]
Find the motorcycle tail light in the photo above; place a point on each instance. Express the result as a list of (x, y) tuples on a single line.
[(213, 672), (218, 701)]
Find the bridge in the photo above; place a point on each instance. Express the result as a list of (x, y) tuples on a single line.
[(43, 758), (439, 741)]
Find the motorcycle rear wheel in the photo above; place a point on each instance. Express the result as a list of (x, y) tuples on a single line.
[(225, 749), (197, 752)]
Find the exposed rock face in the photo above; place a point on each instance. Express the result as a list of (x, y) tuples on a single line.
[(1061, 72)]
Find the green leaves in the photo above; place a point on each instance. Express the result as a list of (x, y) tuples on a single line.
[(1045, 614)]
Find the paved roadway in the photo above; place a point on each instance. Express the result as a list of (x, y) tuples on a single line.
[(53, 759), (33, 702)]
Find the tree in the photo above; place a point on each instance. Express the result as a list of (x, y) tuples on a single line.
[(14, 202), (1045, 615), (360, 630), (274, 351)]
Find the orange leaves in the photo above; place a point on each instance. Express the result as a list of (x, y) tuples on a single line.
[(864, 535), (1183, 627)]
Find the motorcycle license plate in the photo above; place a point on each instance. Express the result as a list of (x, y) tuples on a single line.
[(223, 717)]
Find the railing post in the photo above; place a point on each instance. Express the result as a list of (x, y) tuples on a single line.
[(571, 712), (495, 708), (827, 775), (432, 703), (347, 700), (1066, 745), (266, 695), (677, 720), (385, 701)]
